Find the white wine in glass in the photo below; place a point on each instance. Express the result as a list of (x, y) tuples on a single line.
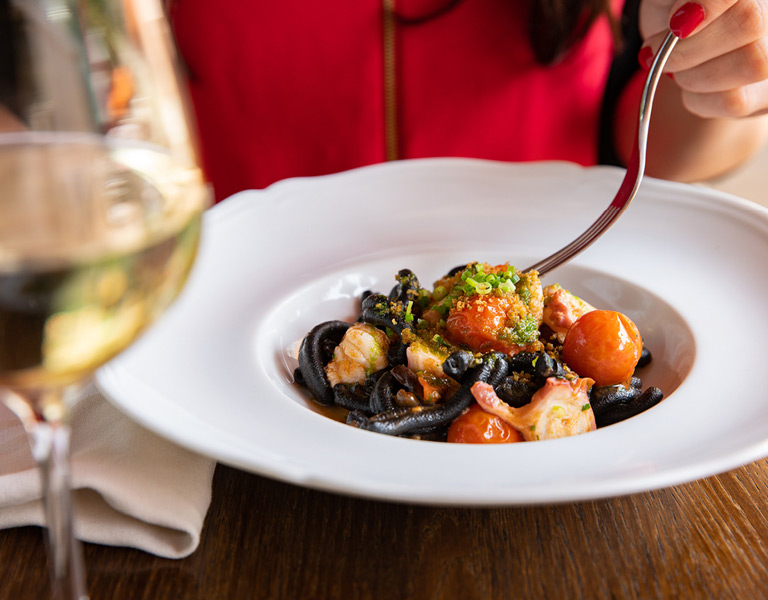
[(101, 198)]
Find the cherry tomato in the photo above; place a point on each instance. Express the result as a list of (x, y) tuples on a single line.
[(477, 322), (604, 345), (479, 427)]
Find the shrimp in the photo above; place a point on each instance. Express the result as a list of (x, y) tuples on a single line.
[(422, 358), (559, 409), (361, 352), (427, 364), (562, 309)]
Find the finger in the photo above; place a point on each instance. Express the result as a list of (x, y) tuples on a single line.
[(742, 24), (685, 20), (740, 67), (684, 17), (744, 101), (654, 18)]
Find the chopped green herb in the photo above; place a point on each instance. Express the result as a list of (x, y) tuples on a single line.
[(474, 280), (525, 293), (408, 314), (439, 340), (526, 330), (424, 298), (506, 287)]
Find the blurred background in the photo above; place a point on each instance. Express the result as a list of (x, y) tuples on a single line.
[(750, 181)]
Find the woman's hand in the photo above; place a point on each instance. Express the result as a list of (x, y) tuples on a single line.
[(711, 114), (720, 63)]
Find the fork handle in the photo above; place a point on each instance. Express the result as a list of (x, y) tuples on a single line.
[(633, 176)]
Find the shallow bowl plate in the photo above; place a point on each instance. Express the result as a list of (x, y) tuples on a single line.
[(215, 374)]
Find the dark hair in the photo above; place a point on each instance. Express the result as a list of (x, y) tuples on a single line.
[(554, 26)]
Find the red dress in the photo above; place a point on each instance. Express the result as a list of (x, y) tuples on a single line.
[(299, 88)]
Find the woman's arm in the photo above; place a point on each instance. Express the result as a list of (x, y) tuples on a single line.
[(709, 116)]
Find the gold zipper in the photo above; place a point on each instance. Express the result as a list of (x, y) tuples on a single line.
[(390, 83)]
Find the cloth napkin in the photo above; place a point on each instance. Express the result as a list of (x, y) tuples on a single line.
[(130, 487)]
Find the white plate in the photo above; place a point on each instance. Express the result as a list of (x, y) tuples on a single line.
[(683, 262)]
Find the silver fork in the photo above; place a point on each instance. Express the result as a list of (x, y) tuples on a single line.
[(633, 176)]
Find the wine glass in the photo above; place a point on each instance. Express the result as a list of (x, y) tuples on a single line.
[(101, 200)]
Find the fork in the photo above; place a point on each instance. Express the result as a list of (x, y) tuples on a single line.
[(633, 176)]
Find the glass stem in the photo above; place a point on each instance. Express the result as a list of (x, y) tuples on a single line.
[(51, 450)]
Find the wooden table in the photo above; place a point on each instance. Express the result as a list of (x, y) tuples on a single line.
[(266, 539)]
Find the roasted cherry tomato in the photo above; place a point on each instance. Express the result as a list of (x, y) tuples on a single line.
[(604, 345), (479, 427), (477, 322)]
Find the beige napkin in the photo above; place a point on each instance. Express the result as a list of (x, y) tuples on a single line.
[(131, 487)]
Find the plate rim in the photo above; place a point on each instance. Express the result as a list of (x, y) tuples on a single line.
[(108, 378)]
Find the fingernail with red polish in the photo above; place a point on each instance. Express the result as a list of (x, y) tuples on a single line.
[(687, 18), (645, 57)]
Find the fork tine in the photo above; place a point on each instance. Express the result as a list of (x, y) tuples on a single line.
[(579, 244)]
